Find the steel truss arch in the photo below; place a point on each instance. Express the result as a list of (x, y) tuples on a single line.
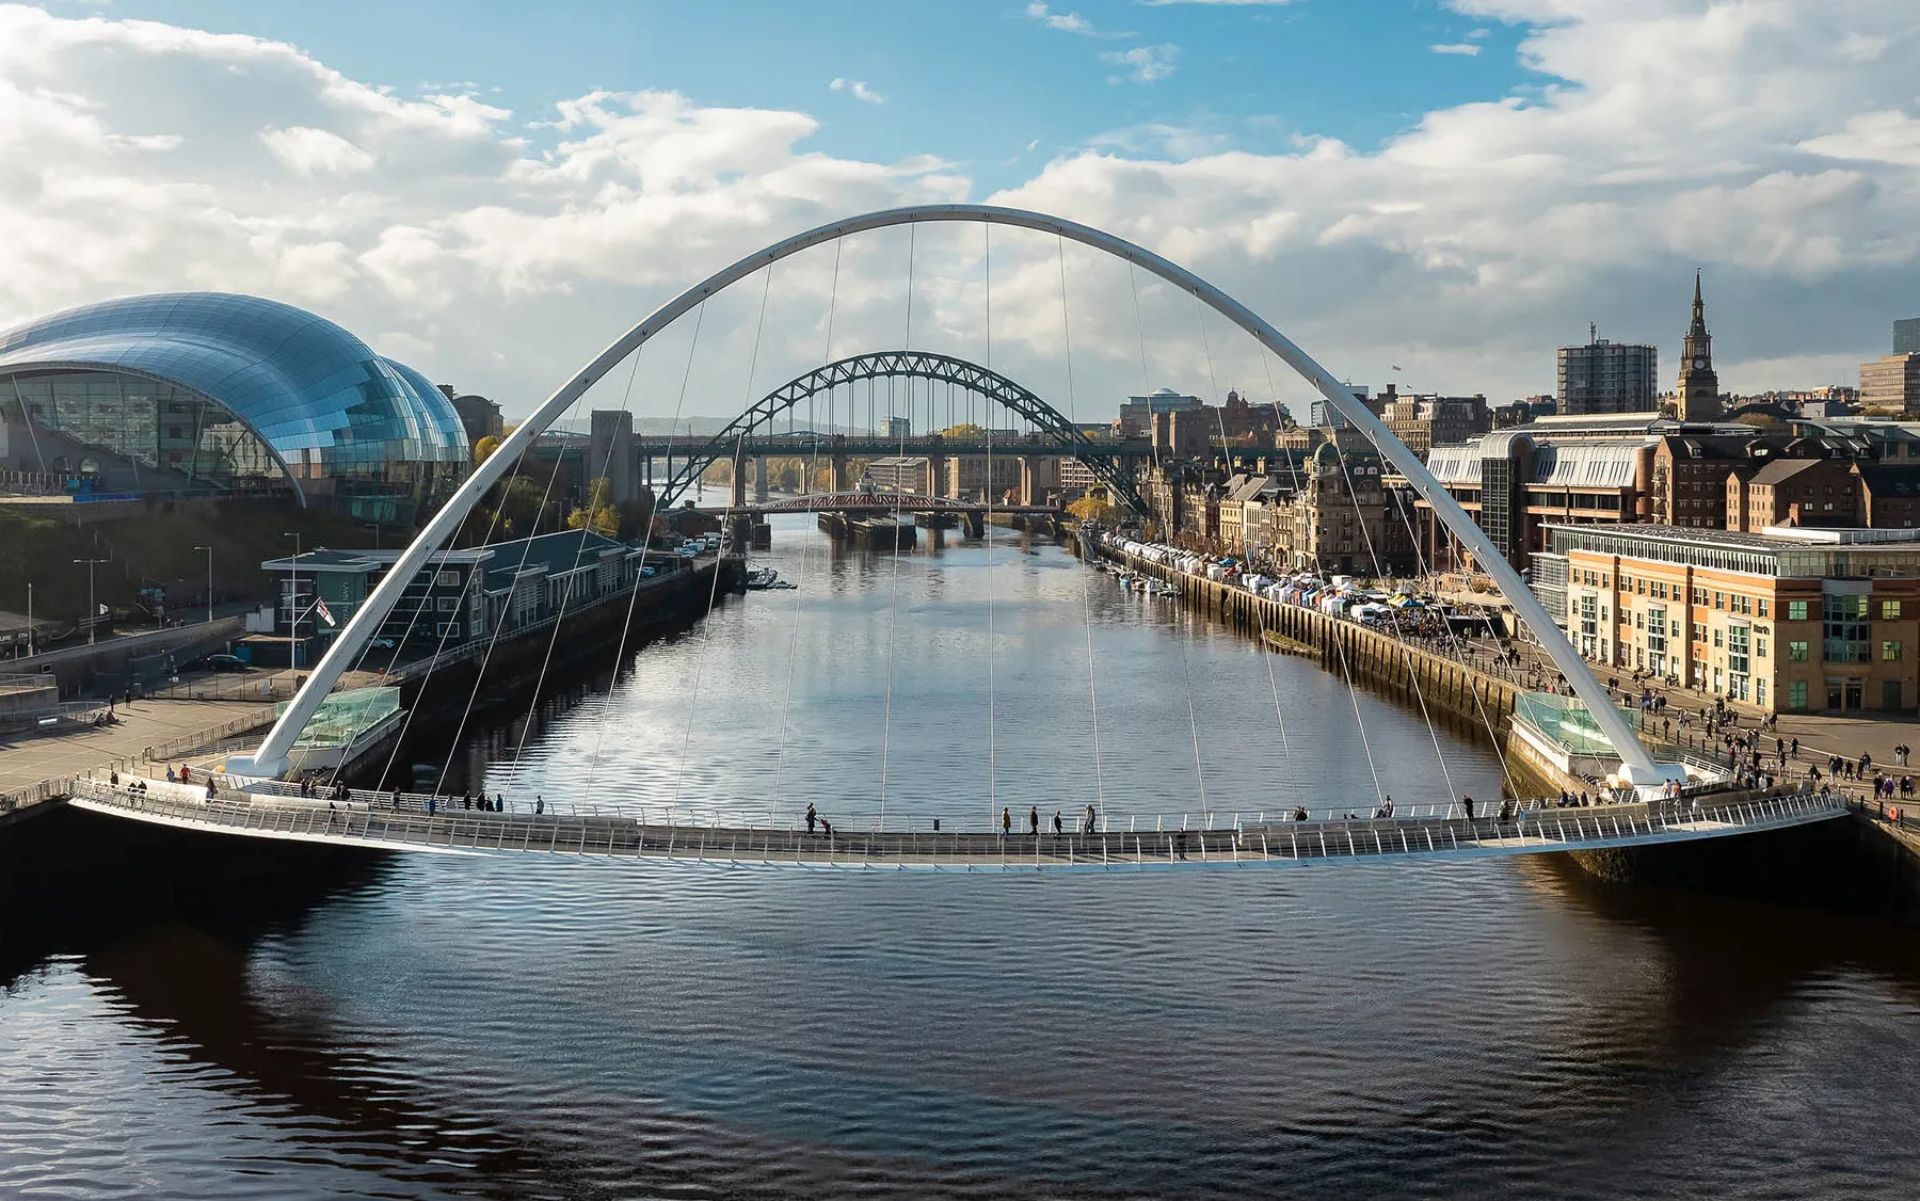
[(1638, 765), (1061, 434)]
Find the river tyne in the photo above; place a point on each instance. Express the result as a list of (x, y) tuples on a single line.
[(441, 1026)]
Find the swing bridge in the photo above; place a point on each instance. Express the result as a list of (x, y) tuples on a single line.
[(1650, 803)]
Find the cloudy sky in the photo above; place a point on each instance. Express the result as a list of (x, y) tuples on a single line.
[(493, 191)]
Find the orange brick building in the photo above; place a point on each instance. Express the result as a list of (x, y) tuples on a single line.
[(1784, 621)]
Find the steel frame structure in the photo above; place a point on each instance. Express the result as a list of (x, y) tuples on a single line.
[(1637, 765), (1061, 433)]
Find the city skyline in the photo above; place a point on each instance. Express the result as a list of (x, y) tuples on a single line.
[(1519, 177)]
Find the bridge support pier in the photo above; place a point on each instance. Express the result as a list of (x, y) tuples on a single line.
[(840, 481), (739, 477), (976, 523), (759, 479)]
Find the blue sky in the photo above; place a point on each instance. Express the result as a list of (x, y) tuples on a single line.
[(975, 81), (492, 191)]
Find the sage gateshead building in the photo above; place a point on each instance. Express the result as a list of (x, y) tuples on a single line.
[(201, 392)]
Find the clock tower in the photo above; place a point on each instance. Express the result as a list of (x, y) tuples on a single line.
[(1699, 393)]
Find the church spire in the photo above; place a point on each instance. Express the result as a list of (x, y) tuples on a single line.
[(1698, 397)]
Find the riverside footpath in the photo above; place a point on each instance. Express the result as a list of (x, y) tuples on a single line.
[(1478, 681)]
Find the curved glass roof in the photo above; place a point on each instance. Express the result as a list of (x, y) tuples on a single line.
[(300, 381)]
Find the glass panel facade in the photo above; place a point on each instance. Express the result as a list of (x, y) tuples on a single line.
[(165, 382)]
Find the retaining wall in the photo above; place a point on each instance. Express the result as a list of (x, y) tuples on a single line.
[(1345, 648)]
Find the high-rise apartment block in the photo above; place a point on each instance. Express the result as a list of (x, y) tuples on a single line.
[(1906, 336), (1607, 377)]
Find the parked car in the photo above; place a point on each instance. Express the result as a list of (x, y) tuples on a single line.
[(225, 663), (383, 644)]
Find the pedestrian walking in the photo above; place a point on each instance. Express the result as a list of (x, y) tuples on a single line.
[(1090, 817), (539, 804), (1466, 802), (812, 817), (1006, 821), (1033, 821), (1056, 822)]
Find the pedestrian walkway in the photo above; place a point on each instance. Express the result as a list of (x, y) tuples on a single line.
[(27, 760), (374, 826)]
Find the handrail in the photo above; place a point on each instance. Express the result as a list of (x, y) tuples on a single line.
[(619, 835)]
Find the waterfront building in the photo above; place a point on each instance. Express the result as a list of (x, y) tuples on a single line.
[(209, 392), (1698, 395), (462, 595), (912, 474), (973, 477), (1236, 495), (1783, 620), (1891, 384), (1338, 516), (1606, 377)]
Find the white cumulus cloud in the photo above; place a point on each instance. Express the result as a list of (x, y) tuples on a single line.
[(1776, 145), (1469, 49), (315, 151)]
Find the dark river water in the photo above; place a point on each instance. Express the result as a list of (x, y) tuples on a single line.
[(444, 1026)]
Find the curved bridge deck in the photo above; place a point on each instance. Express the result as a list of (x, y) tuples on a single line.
[(1292, 843)]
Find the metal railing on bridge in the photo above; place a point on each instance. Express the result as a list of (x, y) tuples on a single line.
[(366, 824)]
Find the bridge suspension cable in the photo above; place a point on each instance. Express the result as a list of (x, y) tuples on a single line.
[(271, 757)]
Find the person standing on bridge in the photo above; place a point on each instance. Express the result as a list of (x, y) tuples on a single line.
[(1006, 821), (1466, 803), (1090, 820), (1033, 821), (1056, 823), (539, 804), (812, 817)]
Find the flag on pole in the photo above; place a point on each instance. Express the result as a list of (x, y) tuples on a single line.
[(320, 607)]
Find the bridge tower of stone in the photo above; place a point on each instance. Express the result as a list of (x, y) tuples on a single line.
[(840, 481)]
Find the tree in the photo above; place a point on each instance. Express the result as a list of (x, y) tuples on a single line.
[(521, 502), (599, 513), (1092, 508), (966, 431), (484, 448)]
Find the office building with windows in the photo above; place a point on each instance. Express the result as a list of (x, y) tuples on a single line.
[(204, 392), (1782, 620)]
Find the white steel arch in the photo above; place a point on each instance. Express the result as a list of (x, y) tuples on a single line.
[(271, 758)]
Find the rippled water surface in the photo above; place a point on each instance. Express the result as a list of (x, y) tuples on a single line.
[(450, 1026)]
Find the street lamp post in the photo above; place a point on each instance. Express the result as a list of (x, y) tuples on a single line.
[(209, 551), (30, 646), (93, 609), (293, 631)]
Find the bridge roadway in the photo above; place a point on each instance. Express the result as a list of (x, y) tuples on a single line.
[(371, 824)]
